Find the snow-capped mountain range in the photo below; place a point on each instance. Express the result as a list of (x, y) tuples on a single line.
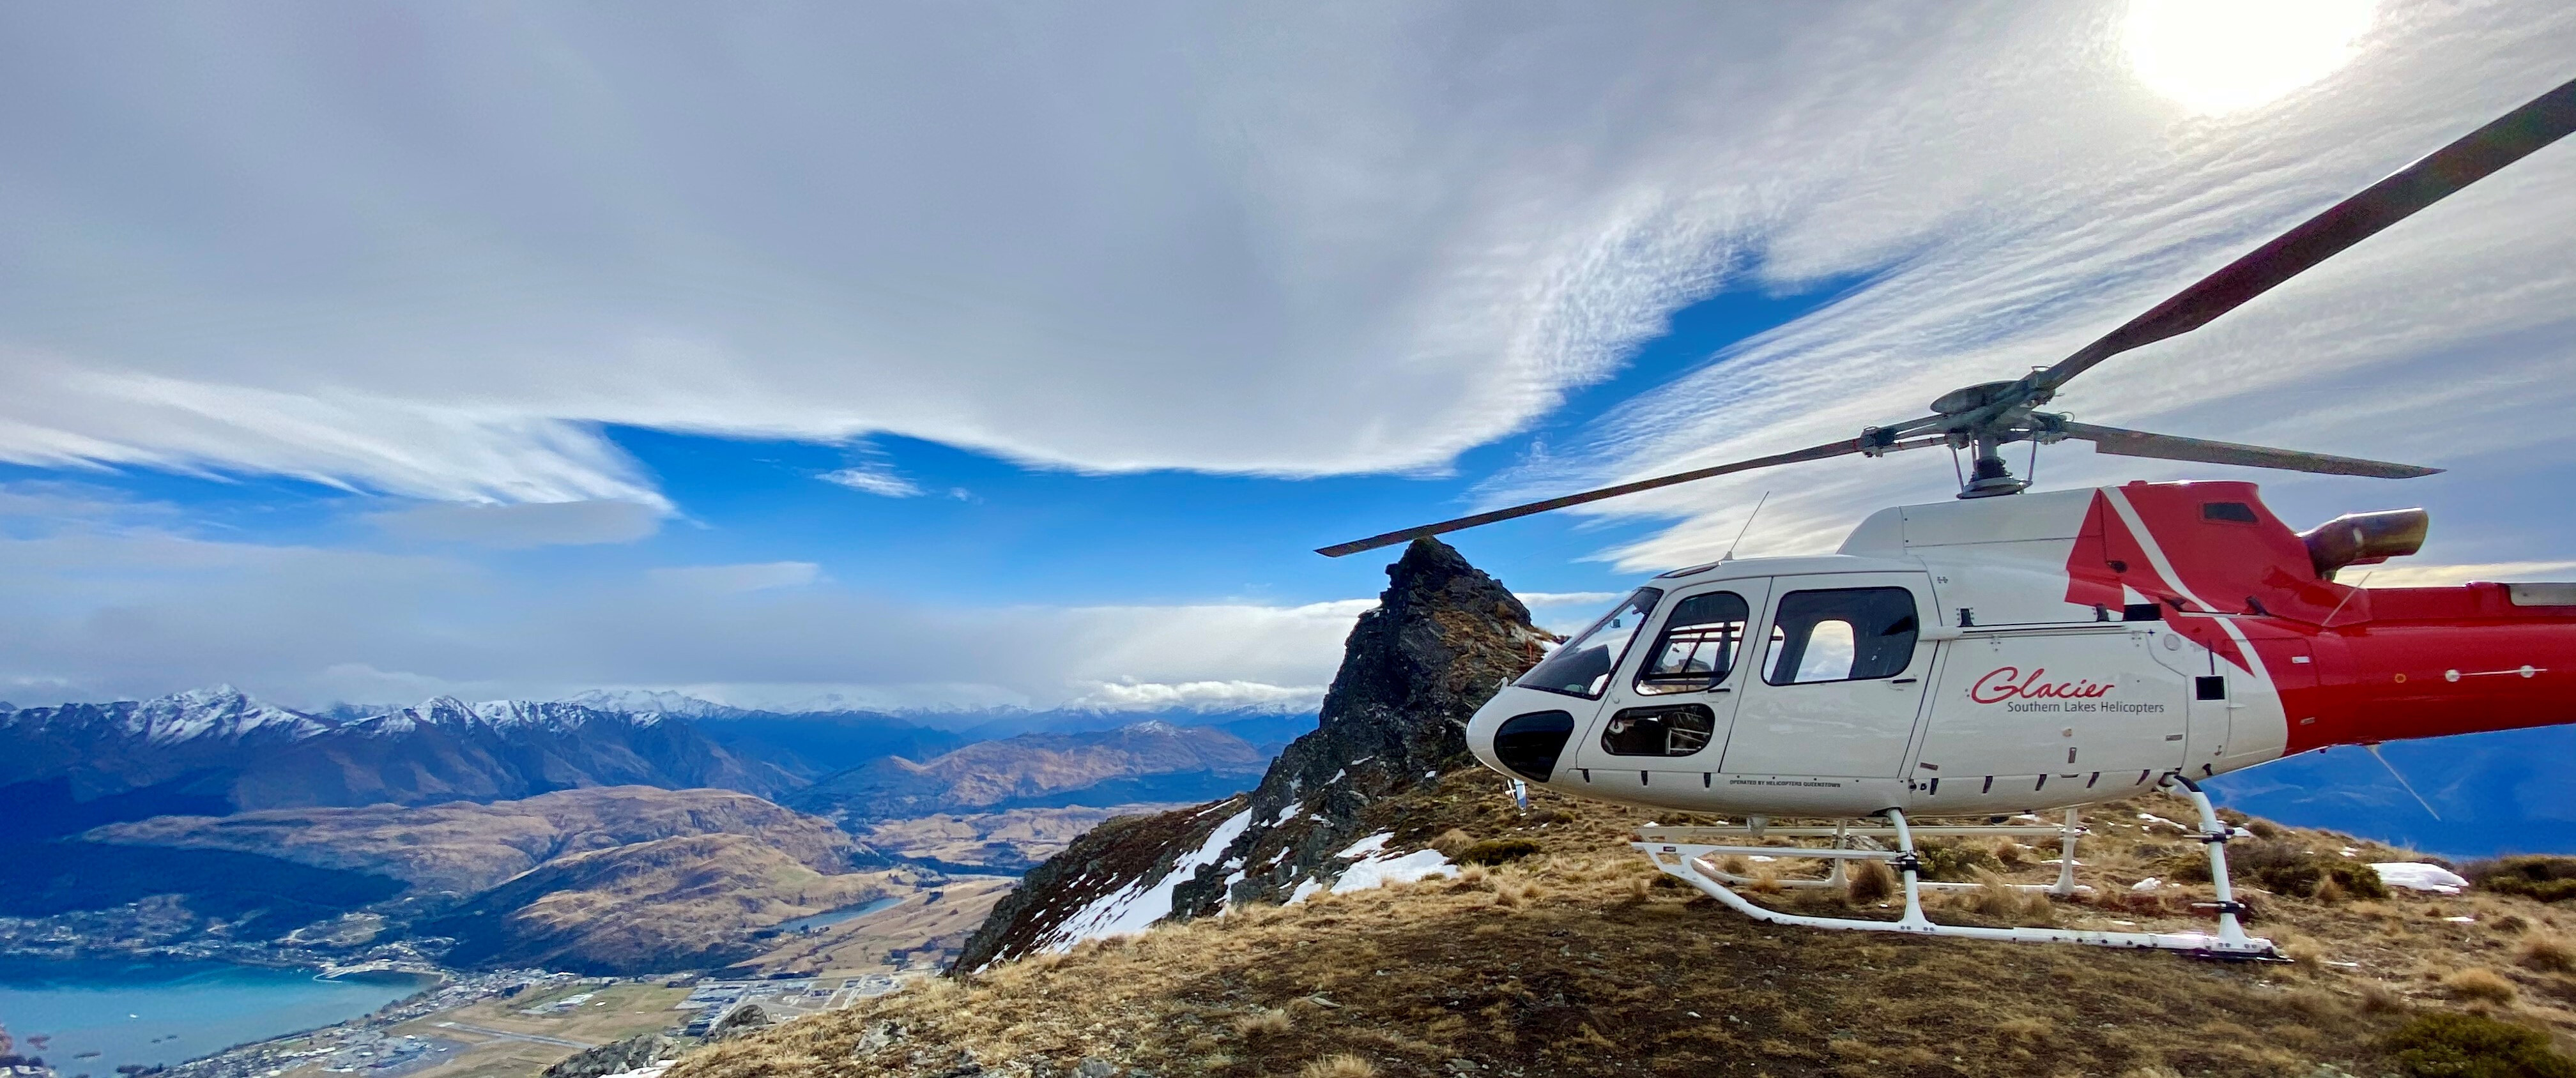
[(224, 713), (217, 750)]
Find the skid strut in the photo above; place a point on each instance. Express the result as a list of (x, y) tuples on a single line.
[(1678, 852)]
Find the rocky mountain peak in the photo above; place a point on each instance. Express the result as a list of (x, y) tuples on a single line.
[(217, 710), (1443, 637)]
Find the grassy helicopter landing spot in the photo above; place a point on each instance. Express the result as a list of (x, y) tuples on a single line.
[(1573, 960)]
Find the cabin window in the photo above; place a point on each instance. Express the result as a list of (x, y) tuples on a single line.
[(1698, 645), (1667, 730), (1582, 666), (1842, 634)]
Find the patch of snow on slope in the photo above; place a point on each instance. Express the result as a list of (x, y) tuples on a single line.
[(1377, 868), (1367, 847), (1380, 871), (1136, 907), (2416, 876)]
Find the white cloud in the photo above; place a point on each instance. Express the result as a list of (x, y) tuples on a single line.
[(2020, 205), (1200, 695), (876, 481), (97, 613), (1535, 599), (1359, 238), (2221, 55), (529, 524), (737, 578)]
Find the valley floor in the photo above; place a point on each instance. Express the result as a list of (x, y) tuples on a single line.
[(1574, 960)]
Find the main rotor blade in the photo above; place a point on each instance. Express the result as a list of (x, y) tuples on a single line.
[(1834, 449), (2138, 443), (2511, 137)]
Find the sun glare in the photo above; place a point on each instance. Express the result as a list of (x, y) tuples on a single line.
[(2224, 55)]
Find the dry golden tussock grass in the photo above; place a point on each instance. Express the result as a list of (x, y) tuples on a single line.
[(1268, 1022), (2549, 953), (1554, 965), (2480, 986), (1339, 1065)]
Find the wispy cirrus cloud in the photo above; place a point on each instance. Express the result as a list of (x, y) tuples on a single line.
[(2017, 213), (1359, 239)]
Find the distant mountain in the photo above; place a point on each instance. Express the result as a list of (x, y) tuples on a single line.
[(654, 702), (216, 751), (810, 746), (1147, 761), (988, 724)]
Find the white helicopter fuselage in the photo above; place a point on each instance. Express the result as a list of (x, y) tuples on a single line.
[(2014, 654), (1975, 718)]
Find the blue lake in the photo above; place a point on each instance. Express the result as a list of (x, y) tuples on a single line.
[(157, 1013), (845, 913)]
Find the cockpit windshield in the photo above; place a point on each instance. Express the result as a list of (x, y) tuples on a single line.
[(1582, 667)]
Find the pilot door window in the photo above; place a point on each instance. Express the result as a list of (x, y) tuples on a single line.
[(1582, 666), (1842, 634), (1698, 646), (1664, 730)]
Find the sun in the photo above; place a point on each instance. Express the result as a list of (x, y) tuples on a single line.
[(2217, 56)]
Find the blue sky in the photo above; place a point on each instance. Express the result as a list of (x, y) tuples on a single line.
[(371, 353), (969, 529)]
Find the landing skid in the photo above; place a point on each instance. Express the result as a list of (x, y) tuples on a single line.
[(1687, 853)]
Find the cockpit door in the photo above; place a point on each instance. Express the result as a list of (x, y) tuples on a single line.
[(1837, 679), (1671, 707)]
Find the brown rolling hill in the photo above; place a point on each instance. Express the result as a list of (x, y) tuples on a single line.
[(690, 902), (465, 847)]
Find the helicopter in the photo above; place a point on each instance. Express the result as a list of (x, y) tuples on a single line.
[(2010, 652)]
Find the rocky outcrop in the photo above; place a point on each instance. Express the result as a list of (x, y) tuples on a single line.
[(1443, 636), (616, 1058)]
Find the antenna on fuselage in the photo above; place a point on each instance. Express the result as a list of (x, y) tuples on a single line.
[(2401, 779), (1748, 526)]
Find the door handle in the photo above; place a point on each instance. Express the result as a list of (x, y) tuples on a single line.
[(1902, 681)]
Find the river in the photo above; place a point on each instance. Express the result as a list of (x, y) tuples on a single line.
[(158, 1013)]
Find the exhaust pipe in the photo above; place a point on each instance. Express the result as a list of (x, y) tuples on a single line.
[(2365, 539)]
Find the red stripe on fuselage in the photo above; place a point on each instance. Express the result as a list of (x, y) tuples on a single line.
[(2383, 664)]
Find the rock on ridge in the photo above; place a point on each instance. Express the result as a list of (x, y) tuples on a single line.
[(1443, 637)]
